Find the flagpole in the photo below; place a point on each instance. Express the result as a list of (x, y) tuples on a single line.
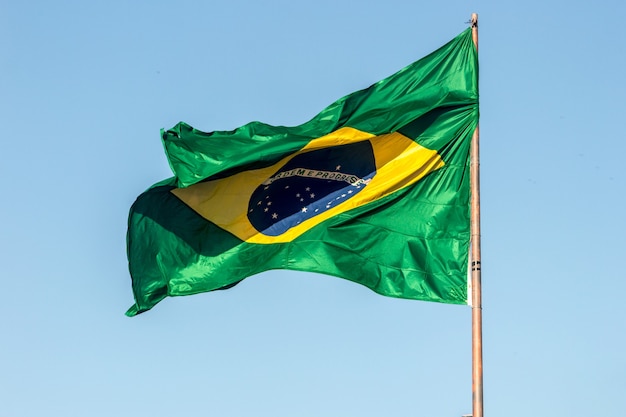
[(477, 317)]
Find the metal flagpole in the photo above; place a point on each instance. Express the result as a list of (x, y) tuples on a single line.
[(477, 317)]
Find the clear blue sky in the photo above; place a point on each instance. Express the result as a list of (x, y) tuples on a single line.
[(85, 88)]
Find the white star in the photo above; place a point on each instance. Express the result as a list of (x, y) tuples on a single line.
[(265, 209), (269, 203), (307, 189), (258, 204), (286, 186), (266, 187), (274, 216), (338, 167), (298, 195), (312, 195), (302, 199), (304, 209)]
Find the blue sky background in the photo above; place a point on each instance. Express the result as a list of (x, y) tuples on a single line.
[(85, 88)]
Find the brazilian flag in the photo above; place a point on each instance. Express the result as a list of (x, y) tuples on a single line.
[(374, 189)]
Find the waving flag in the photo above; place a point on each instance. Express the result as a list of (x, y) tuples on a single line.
[(374, 189)]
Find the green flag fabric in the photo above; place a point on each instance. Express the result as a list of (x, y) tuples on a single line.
[(374, 189)]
